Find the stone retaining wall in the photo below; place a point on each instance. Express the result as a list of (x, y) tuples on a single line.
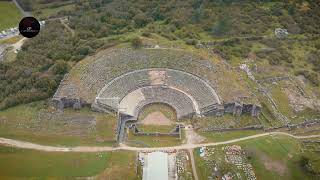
[(294, 126), (235, 108), (175, 132), (238, 109), (61, 103), (257, 127)]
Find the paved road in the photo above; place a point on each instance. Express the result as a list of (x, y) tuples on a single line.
[(23, 12), (28, 145)]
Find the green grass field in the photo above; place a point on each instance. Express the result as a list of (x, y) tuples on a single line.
[(9, 15), (11, 40), (33, 122), (226, 121), (153, 141), (225, 136), (19, 163), (274, 157), (282, 101), (154, 128)]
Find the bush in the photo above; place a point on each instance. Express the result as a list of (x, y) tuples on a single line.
[(136, 42), (146, 34), (314, 59), (169, 36), (84, 50), (141, 20), (60, 67), (221, 27), (306, 165), (191, 42), (311, 76)]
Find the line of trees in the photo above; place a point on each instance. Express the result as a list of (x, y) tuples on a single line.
[(41, 64), (43, 60)]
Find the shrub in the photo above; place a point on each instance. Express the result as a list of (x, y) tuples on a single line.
[(60, 67), (146, 34), (136, 42), (84, 50), (306, 165), (191, 41), (311, 76), (221, 27), (141, 20), (169, 36)]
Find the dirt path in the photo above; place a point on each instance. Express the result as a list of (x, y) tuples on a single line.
[(193, 165), (28, 145), (192, 137), (67, 27), (18, 44)]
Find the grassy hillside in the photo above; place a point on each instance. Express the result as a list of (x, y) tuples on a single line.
[(9, 15), (38, 124), (246, 32)]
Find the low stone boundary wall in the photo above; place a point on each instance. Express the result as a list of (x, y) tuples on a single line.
[(227, 42), (294, 126), (175, 132), (274, 79), (155, 134), (260, 127), (257, 127), (306, 123), (276, 128)]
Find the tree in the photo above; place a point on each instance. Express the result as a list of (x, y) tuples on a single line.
[(141, 20), (84, 50), (291, 10), (221, 27), (60, 67), (136, 42)]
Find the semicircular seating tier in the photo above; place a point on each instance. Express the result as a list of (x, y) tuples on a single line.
[(132, 103), (157, 85)]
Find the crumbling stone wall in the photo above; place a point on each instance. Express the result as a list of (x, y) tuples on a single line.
[(274, 79), (175, 132), (238, 109), (61, 103)]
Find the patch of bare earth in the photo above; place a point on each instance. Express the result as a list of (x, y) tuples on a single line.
[(192, 137), (156, 118), (300, 102), (273, 165)]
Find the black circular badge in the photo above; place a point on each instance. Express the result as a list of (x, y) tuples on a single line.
[(29, 27)]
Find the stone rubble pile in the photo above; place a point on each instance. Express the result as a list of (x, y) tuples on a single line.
[(234, 155)]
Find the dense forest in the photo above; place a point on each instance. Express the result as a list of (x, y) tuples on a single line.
[(43, 60)]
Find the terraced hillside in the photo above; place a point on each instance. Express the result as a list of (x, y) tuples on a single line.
[(90, 75)]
